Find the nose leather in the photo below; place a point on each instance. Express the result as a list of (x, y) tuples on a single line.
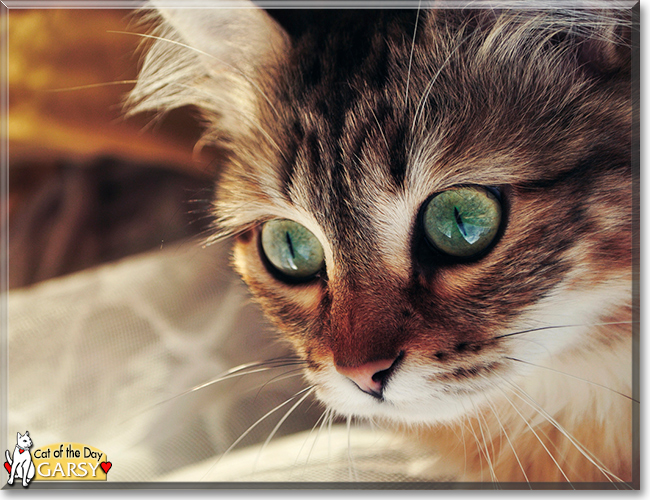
[(363, 375)]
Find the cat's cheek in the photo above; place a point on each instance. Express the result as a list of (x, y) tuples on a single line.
[(293, 309)]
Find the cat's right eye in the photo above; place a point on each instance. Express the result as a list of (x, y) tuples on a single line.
[(292, 249)]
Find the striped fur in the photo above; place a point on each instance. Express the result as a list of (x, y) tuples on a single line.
[(347, 122)]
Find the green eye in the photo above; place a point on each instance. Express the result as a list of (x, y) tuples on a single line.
[(462, 222), (292, 249)]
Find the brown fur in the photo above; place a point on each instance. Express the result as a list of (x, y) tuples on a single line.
[(356, 123)]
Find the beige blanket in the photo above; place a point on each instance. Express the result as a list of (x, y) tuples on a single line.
[(106, 357)]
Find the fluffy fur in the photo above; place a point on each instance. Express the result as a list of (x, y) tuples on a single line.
[(515, 366)]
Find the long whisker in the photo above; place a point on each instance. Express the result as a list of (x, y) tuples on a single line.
[(256, 366), (92, 86), (329, 437), (462, 437), (427, 91), (380, 128), (485, 447), (505, 433), (322, 420), (553, 327), (238, 371), (579, 446), (530, 427), (257, 422), (352, 469), (491, 440), (278, 378), (481, 452), (408, 75), (279, 424), (573, 376)]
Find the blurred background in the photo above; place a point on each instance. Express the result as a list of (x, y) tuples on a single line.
[(116, 310), (86, 184)]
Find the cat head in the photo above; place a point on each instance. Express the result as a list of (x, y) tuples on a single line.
[(417, 197), (23, 440)]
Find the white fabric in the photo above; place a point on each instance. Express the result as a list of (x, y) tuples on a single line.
[(105, 357)]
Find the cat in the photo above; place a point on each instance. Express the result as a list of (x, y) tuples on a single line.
[(435, 208), (22, 466)]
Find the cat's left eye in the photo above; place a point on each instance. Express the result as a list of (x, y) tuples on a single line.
[(462, 222), (292, 249)]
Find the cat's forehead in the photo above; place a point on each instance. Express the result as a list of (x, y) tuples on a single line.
[(434, 94), (450, 106), (372, 122)]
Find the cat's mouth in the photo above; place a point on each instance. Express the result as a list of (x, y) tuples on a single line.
[(409, 390)]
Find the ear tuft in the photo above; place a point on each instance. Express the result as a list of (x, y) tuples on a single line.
[(214, 58)]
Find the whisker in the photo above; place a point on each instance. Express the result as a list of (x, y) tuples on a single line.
[(278, 378), (380, 128), (462, 437), (322, 420), (481, 452), (91, 86), (505, 433), (279, 424), (579, 446), (257, 422), (427, 90), (574, 377), (408, 75), (490, 438), (329, 437), (530, 427), (257, 366), (553, 327), (491, 441), (351, 468), (485, 447), (238, 371)]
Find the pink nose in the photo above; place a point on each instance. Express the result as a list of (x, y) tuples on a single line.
[(368, 377)]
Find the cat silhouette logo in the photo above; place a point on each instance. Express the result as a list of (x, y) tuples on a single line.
[(21, 465), (55, 462)]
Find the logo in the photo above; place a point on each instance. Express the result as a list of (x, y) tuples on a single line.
[(21, 465), (55, 462)]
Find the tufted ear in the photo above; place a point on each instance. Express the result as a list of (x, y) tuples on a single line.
[(215, 58), (239, 37)]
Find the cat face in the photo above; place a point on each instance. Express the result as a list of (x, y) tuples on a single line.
[(24, 441), (422, 198), (393, 323)]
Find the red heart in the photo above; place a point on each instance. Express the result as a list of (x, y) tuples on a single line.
[(106, 466), (21, 451), (8, 467)]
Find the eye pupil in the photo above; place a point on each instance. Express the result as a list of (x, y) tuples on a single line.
[(459, 221), (290, 245)]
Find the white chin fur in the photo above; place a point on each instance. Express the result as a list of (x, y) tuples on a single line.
[(406, 399)]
